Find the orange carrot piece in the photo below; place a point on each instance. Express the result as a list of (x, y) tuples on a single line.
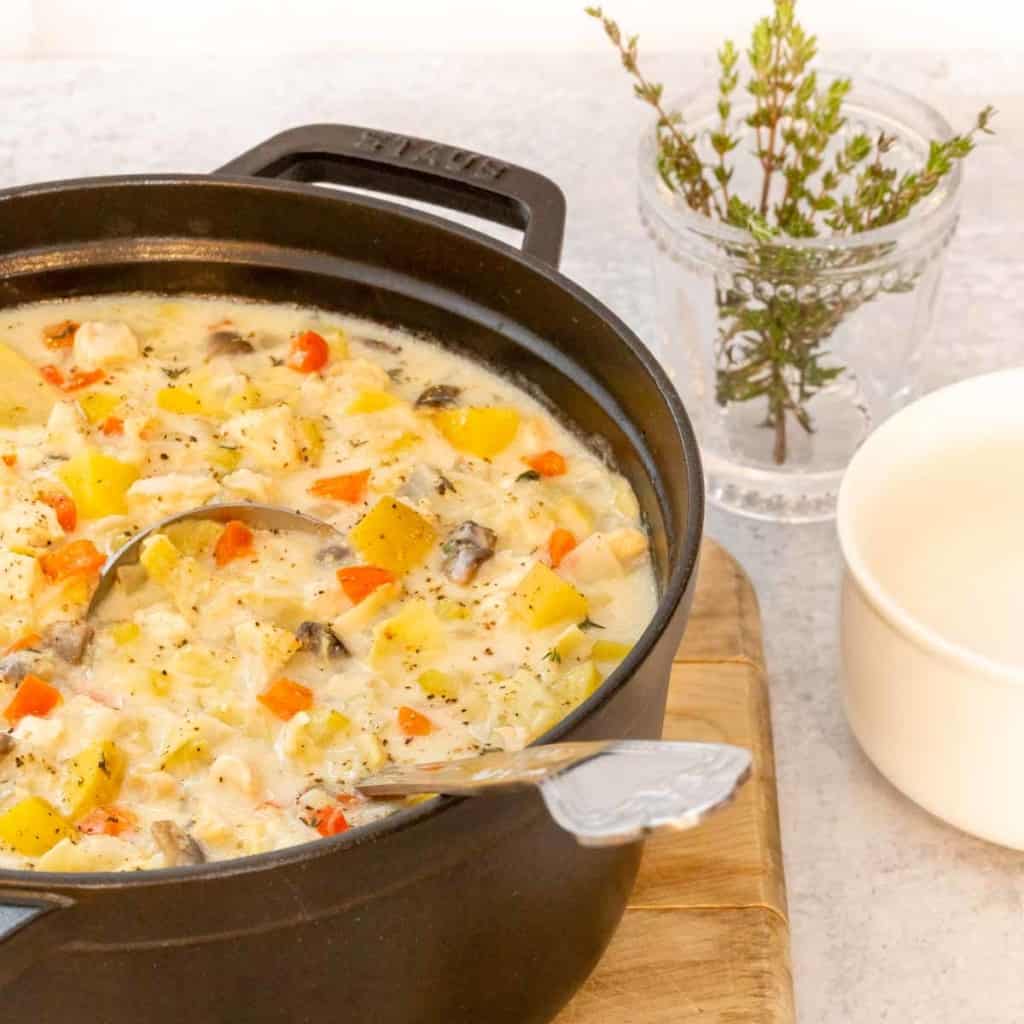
[(108, 821), (60, 335), (113, 426), (350, 487), (547, 463), (308, 353), (234, 542), (10, 460), (359, 581), (64, 506), (34, 696), (79, 558), (285, 698), (330, 821), (560, 543), (412, 723), (25, 641)]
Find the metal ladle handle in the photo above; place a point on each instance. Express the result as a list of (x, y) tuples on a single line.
[(604, 793)]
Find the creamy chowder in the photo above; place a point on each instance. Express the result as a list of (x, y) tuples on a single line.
[(236, 684)]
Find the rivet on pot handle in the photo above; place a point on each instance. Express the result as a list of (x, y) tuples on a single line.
[(432, 172)]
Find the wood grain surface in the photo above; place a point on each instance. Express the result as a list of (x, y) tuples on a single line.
[(706, 934)]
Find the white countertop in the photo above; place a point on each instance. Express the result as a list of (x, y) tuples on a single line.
[(895, 916)]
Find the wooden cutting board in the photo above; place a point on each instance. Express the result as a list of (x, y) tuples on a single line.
[(706, 933)]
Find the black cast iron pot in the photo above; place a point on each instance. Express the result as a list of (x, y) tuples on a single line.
[(478, 911)]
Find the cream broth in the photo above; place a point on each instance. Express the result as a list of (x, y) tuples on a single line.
[(491, 571)]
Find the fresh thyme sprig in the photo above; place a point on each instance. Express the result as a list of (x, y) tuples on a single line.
[(813, 183)]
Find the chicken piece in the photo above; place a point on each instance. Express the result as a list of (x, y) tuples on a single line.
[(104, 344)]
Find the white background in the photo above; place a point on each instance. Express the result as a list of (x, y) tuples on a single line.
[(55, 28)]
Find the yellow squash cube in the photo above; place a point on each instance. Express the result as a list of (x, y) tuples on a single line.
[(98, 483), (543, 598), (194, 537), (160, 557), (580, 682), (414, 630), (483, 431), (98, 405), (393, 536), (435, 683), (371, 401), (125, 633), (25, 398), (609, 650), (94, 778), (33, 826)]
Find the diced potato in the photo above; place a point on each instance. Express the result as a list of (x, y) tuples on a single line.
[(393, 536), (357, 618), (33, 826), (574, 515), (452, 611), (25, 398), (483, 431), (435, 683), (269, 645), (403, 442), (183, 400), (248, 484), (266, 436), (543, 598), (88, 853), (27, 525), (194, 537), (609, 650), (245, 398), (570, 643), (199, 666), (18, 576), (580, 682), (100, 343), (371, 401), (98, 405), (327, 724), (593, 559), (337, 342), (628, 545), (224, 457), (371, 751), (159, 557), (125, 633), (415, 629), (185, 754), (94, 778), (98, 483), (311, 439), (163, 495)]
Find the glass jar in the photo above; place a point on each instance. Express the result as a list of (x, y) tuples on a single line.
[(787, 354)]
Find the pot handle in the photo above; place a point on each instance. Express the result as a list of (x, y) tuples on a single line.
[(416, 169), (23, 936)]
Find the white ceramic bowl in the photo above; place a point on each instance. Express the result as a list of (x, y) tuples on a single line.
[(931, 525)]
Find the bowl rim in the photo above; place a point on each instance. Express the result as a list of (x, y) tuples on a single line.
[(892, 611), (21, 886)]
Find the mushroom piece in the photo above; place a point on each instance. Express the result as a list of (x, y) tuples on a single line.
[(333, 554), (227, 343), (466, 548), (15, 666), (68, 640), (318, 638), (438, 396), (6, 743), (177, 846), (381, 346)]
